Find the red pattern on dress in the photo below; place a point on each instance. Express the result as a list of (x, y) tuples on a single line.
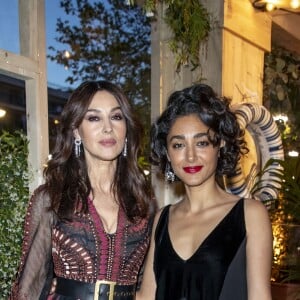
[(79, 250)]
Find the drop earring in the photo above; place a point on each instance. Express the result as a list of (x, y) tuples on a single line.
[(124, 153), (169, 174), (77, 148)]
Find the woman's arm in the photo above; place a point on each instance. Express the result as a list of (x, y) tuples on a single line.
[(35, 271), (259, 250), (148, 286)]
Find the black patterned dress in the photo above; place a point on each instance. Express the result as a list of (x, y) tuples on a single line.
[(79, 250)]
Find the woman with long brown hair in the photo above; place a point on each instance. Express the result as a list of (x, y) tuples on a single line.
[(87, 226)]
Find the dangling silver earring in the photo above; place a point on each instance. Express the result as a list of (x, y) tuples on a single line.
[(77, 144), (124, 153), (169, 174)]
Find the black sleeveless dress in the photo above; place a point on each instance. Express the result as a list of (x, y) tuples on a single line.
[(216, 271)]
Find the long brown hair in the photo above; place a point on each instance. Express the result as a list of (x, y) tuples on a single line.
[(66, 176)]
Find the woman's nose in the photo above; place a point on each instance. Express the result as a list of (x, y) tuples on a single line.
[(190, 154), (107, 128)]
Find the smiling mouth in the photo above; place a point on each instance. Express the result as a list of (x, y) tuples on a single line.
[(192, 170)]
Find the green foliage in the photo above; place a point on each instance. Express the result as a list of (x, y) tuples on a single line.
[(281, 97), (289, 200), (269, 176), (14, 193), (282, 93), (282, 75), (107, 40), (190, 24), (285, 216), (286, 178)]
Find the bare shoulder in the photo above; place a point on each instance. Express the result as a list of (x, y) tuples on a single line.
[(253, 206), (256, 213)]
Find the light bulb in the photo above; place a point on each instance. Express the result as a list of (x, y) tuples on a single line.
[(66, 54), (2, 113), (293, 153), (270, 6), (295, 4)]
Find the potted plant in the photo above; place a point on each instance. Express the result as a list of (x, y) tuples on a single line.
[(190, 23), (285, 218)]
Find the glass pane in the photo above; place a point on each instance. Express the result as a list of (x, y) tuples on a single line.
[(56, 73), (9, 26), (12, 104)]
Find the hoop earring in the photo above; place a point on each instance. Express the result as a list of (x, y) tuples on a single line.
[(124, 153), (169, 174), (77, 148)]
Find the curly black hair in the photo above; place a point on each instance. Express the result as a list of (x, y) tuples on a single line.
[(214, 112)]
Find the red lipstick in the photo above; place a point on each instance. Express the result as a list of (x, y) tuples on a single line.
[(192, 170)]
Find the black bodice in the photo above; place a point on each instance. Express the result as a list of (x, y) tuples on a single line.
[(217, 269)]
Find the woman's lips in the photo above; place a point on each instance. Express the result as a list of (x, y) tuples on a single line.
[(108, 142), (192, 170)]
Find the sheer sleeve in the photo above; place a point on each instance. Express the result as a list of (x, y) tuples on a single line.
[(36, 268)]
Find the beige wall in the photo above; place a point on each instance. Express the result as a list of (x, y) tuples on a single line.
[(231, 62)]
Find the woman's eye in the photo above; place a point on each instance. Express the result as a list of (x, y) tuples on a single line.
[(203, 143), (177, 145), (93, 118), (117, 117)]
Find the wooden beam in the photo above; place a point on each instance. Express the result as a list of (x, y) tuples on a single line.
[(33, 46), (18, 66), (248, 23)]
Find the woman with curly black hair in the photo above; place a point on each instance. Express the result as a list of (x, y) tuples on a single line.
[(87, 227), (211, 245)]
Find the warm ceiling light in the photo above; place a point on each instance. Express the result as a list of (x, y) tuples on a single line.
[(295, 4), (269, 5), (2, 113)]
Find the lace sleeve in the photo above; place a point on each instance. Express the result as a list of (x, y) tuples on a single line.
[(35, 270)]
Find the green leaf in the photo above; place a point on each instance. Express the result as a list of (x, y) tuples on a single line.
[(14, 194)]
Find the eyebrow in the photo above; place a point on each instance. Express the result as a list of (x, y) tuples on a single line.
[(182, 137), (99, 110)]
